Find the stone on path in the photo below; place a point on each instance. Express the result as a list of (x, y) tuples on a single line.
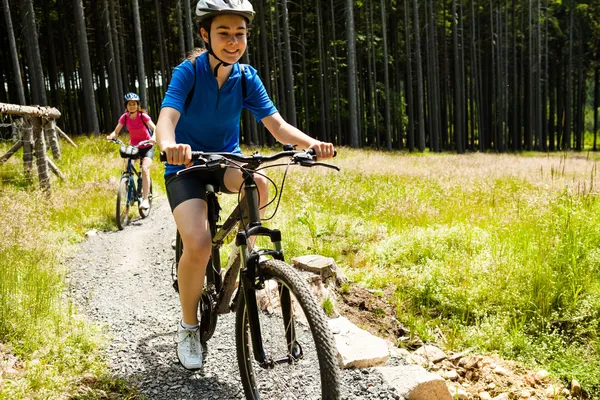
[(356, 347), (325, 267), (415, 383)]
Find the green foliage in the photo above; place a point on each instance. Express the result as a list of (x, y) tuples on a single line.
[(328, 307)]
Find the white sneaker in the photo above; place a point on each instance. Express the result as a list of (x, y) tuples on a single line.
[(189, 349), (145, 204)]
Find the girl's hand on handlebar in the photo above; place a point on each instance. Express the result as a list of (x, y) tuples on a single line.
[(111, 136), (179, 154), (324, 150)]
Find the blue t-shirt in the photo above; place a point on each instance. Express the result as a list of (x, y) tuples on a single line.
[(211, 121)]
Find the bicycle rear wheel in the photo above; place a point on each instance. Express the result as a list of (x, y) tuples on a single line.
[(146, 212), (306, 368), (123, 204)]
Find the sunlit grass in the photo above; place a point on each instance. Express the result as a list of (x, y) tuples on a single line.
[(500, 252), (38, 325)]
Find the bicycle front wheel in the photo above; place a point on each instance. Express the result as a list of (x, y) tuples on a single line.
[(295, 336), (123, 203)]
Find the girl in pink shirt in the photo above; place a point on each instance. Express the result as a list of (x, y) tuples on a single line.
[(140, 127)]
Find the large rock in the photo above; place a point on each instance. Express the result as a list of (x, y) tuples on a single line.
[(325, 267), (356, 347), (415, 383)]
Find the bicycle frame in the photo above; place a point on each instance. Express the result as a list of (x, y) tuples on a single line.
[(130, 171), (250, 274)]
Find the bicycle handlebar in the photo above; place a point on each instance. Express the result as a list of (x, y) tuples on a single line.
[(142, 143), (216, 160)]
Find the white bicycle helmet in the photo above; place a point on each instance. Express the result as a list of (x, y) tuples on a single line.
[(210, 8)]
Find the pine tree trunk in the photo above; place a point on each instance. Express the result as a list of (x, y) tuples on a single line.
[(13, 53), (181, 31), (34, 60), (410, 132), (305, 95), (164, 73), (288, 64), (596, 103), (419, 66), (113, 76), (338, 118), (189, 33), (91, 117), (352, 89), (117, 52), (264, 52), (322, 119)]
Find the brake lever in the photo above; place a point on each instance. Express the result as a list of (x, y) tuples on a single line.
[(310, 163)]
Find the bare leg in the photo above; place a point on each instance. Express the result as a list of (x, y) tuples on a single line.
[(146, 162), (192, 224)]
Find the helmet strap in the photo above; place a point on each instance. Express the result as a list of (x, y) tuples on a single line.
[(212, 53)]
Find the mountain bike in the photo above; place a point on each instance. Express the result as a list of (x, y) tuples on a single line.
[(279, 323), (129, 192)]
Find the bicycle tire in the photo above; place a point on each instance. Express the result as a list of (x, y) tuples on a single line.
[(324, 344), (145, 213), (123, 206)]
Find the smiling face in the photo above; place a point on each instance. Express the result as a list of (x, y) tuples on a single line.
[(228, 37), (132, 106)]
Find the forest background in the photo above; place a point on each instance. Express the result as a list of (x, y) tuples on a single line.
[(436, 74), (423, 75)]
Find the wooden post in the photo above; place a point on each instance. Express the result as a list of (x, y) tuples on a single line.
[(40, 154), (51, 138), (10, 152), (64, 135), (55, 169), (27, 139)]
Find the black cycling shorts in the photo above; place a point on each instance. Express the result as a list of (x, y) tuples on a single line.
[(192, 186), (146, 152)]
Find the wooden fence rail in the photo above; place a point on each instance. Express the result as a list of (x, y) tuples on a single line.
[(36, 128)]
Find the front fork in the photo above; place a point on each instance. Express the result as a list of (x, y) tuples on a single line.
[(252, 279)]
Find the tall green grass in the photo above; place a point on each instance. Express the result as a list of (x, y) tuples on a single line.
[(500, 252), (38, 323)]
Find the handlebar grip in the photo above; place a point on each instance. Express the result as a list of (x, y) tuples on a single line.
[(312, 152), (195, 156)]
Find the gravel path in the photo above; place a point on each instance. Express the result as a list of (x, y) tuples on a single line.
[(122, 280)]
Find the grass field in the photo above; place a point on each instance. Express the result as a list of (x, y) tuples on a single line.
[(497, 252)]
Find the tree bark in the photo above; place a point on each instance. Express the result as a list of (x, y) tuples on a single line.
[(410, 132), (180, 31), (13, 53), (288, 64), (91, 117), (189, 32), (386, 76), (419, 66), (40, 155), (352, 89), (32, 51), (139, 47)]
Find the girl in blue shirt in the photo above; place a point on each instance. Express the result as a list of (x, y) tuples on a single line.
[(201, 112)]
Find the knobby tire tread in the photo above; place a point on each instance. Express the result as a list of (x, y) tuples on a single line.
[(121, 223), (323, 339)]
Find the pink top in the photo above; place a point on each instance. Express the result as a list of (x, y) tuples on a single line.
[(138, 131)]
